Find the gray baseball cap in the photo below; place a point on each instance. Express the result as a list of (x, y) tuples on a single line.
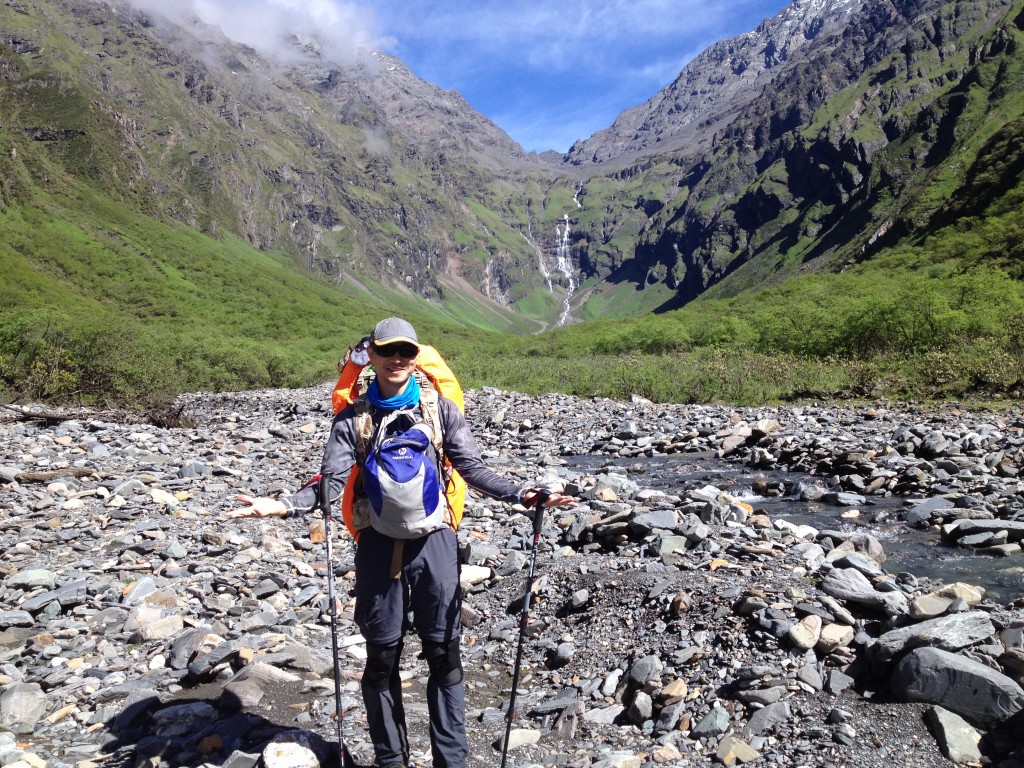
[(393, 329)]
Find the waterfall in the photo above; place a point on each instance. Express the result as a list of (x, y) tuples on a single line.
[(564, 265)]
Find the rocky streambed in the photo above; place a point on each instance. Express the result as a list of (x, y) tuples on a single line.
[(672, 625)]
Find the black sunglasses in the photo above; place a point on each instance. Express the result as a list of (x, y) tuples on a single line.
[(402, 349)]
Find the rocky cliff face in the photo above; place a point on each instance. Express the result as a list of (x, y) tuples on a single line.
[(716, 87), (380, 93), (359, 169), (835, 122)]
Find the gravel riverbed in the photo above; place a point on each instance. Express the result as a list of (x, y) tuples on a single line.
[(670, 626)]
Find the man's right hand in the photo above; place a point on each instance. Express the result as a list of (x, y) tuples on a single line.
[(260, 506), (554, 499)]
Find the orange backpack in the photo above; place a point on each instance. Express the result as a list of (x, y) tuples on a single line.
[(435, 377)]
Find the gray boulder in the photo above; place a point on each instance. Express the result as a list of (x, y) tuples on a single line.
[(1014, 529), (949, 633), (927, 509), (979, 694), (32, 578), (22, 705), (646, 522), (714, 723), (864, 543), (853, 586), (644, 670), (955, 737), (767, 719)]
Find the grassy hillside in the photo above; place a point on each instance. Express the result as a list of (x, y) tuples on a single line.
[(918, 332), (939, 315), (155, 239), (101, 304), (181, 125)]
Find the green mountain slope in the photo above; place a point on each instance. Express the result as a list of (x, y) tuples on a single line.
[(179, 212), (163, 227), (184, 125), (824, 169)]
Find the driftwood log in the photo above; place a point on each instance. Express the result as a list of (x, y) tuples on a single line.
[(49, 417), (169, 416), (54, 474)]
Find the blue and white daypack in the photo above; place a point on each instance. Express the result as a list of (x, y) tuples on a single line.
[(401, 477)]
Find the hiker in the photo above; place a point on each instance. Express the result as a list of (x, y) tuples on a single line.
[(403, 566)]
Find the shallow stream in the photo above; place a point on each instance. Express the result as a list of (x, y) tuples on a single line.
[(920, 553)]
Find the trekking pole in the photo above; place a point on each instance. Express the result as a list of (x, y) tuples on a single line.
[(524, 619), (344, 758)]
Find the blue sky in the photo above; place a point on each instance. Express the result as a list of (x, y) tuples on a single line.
[(548, 73)]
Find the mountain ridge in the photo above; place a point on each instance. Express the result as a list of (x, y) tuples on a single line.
[(684, 115), (361, 169), (801, 156), (300, 157)]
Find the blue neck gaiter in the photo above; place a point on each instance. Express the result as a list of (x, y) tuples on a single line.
[(407, 399)]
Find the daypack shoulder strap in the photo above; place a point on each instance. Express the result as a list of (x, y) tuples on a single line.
[(364, 427), (431, 412)]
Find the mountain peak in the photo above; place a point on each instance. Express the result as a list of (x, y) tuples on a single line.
[(715, 86)]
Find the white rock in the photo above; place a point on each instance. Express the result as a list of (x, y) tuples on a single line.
[(806, 632), (292, 749), (474, 574)]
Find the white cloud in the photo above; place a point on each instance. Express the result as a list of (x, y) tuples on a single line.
[(340, 29)]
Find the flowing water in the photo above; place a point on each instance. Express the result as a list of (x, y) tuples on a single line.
[(920, 553), (563, 261), (563, 264)]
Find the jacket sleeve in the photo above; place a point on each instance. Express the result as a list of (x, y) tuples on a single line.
[(461, 450), (339, 459)]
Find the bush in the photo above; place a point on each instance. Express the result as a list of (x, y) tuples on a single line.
[(50, 356)]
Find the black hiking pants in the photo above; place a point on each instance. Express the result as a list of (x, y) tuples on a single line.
[(394, 578)]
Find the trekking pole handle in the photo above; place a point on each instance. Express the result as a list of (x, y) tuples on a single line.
[(543, 494), (325, 493)]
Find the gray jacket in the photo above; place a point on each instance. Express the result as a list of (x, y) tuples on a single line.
[(460, 449)]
